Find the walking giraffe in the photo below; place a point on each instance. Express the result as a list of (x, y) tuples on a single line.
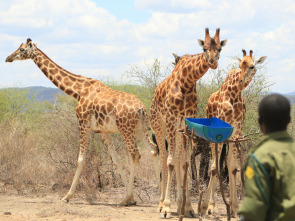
[(229, 105), (100, 109), (174, 100)]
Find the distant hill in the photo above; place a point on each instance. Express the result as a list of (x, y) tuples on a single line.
[(44, 93), (40, 93), (290, 96), (49, 94)]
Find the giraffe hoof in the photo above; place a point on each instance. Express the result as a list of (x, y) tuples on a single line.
[(159, 209), (166, 215), (154, 153), (64, 200), (128, 203), (190, 214), (212, 210), (209, 210), (233, 214), (204, 210)]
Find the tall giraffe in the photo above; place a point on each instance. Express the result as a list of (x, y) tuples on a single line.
[(229, 105), (100, 109), (174, 100)]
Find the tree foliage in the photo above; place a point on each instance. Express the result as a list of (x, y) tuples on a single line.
[(17, 103), (147, 77)]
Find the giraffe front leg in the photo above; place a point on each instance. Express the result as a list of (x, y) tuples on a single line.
[(171, 131), (166, 205), (163, 160), (81, 162), (189, 211), (233, 169), (208, 206)]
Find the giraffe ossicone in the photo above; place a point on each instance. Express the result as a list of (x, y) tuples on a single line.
[(100, 109), (174, 100), (229, 105)]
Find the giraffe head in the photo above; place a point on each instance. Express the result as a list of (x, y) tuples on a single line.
[(248, 67), (25, 51), (212, 47)]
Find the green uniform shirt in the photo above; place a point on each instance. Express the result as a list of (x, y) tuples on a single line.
[(270, 179)]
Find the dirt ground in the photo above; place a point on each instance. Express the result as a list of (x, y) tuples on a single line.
[(104, 206)]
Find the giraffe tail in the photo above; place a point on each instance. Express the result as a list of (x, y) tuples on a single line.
[(144, 136), (155, 142), (153, 147)]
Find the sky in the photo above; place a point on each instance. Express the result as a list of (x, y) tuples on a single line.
[(102, 38)]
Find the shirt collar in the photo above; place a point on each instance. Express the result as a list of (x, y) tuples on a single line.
[(278, 135)]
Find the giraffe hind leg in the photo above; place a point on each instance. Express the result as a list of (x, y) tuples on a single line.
[(115, 158), (129, 139), (160, 139)]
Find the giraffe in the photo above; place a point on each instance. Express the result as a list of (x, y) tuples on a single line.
[(175, 99), (229, 105), (100, 109)]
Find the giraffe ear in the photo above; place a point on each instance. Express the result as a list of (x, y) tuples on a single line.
[(201, 42), (223, 43), (177, 58), (260, 60), (175, 55), (239, 59)]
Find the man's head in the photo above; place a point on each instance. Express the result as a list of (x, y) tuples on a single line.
[(274, 113)]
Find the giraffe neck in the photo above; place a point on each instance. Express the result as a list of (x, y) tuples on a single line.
[(192, 69), (231, 85), (69, 83)]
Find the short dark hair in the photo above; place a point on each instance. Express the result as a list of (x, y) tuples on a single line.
[(274, 112)]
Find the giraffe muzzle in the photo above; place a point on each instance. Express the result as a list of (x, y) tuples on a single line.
[(212, 62), (8, 59)]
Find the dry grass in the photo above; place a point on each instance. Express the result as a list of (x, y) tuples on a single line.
[(44, 156)]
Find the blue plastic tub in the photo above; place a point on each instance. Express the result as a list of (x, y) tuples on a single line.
[(211, 129)]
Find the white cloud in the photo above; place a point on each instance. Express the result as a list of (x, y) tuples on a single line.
[(172, 5), (287, 65), (190, 4), (160, 25)]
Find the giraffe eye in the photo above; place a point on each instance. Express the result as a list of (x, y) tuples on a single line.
[(21, 49), (204, 49)]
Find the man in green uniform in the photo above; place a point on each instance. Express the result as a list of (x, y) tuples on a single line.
[(270, 167)]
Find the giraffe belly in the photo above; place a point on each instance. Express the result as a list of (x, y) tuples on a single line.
[(99, 126)]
